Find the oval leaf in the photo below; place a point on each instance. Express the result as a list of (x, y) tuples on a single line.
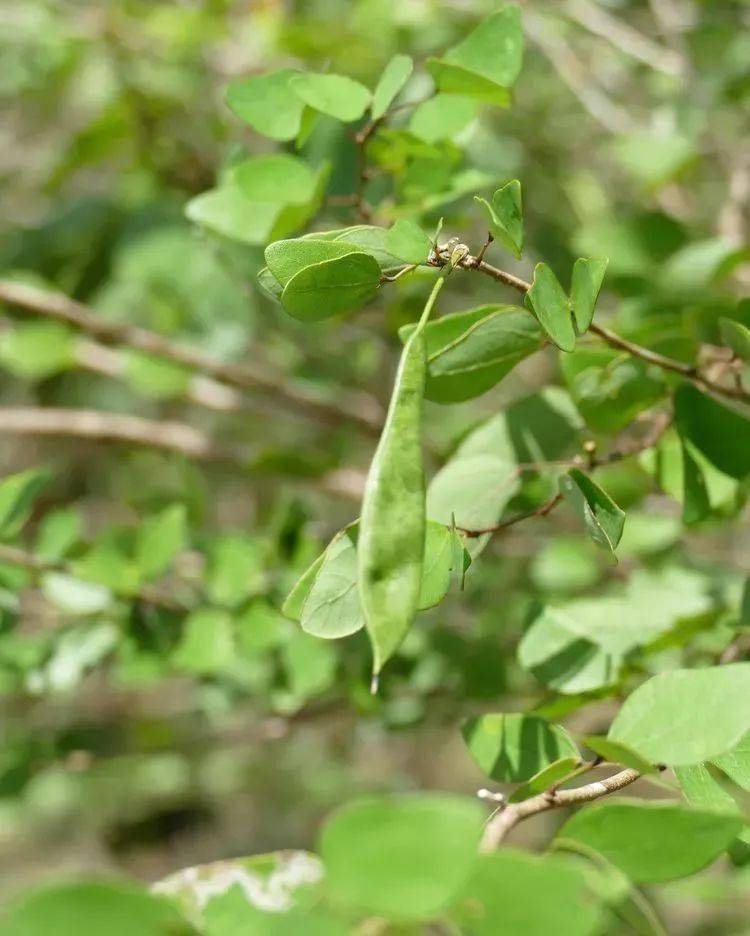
[(547, 300), (652, 841), (686, 716), (403, 857), (334, 286), (335, 95), (395, 75), (511, 748)]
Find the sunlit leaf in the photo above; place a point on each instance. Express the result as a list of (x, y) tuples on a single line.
[(487, 62), (395, 75), (550, 305), (686, 716), (510, 748), (506, 216), (652, 841), (403, 857)]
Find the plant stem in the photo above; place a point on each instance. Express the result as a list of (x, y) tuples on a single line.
[(688, 371), (364, 411), (503, 821)]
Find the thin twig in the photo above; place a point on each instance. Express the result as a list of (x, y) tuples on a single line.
[(689, 371), (173, 436), (352, 405), (624, 449), (500, 825), (624, 37), (113, 427), (547, 507)]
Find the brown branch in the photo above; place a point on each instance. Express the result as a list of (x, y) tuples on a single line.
[(624, 449), (203, 391), (352, 405), (509, 816), (170, 435), (688, 371), (148, 594), (624, 37), (111, 427), (547, 507)]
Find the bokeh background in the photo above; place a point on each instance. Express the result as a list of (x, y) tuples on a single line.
[(122, 746)]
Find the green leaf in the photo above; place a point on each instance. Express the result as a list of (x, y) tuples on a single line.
[(231, 914), (652, 841), (90, 908), (325, 599), (109, 562), (58, 531), (736, 763), (227, 211), (285, 258), (686, 716), (439, 563), (268, 103), (279, 178), (17, 494), (654, 159), (649, 605), (442, 117), (550, 305), (736, 336), (369, 238), (708, 424), (469, 352), (506, 216), (154, 376), (254, 205), (335, 95), (73, 596), (617, 753), (235, 569), (487, 62), (278, 882), (483, 474), (696, 502), (603, 519), (160, 538), (79, 649), (548, 776), (407, 241), (207, 643), (473, 490), (38, 350), (309, 664), (682, 471), (392, 526), (405, 857), (515, 893), (295, 600), (512, 748), (331, 608), (332, 287), (610, 389), (562, 658), (259, 627), (565, 565), (395, 75), (588, 275), (703, 791)]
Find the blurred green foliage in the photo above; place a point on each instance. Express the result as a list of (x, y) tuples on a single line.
[(158, 709)]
